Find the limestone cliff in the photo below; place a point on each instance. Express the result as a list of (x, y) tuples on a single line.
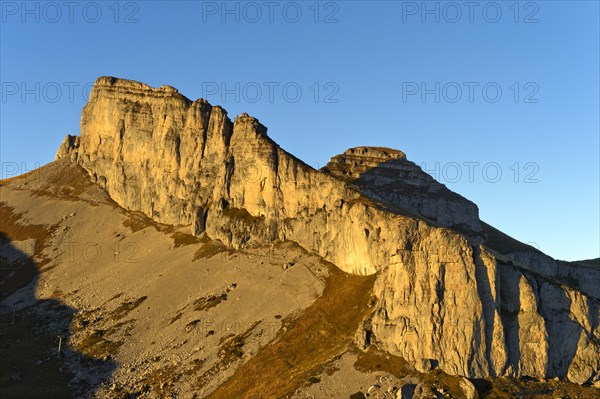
[(443, 298)]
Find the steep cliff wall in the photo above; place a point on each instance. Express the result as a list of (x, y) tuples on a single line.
[(486, 317), (440, 296), (185, 163)]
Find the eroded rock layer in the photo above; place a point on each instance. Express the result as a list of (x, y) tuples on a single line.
[(443, 299), (386, 175)]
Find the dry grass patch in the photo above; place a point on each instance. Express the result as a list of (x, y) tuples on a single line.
[(126, 307), (508, 388), (210, 249), (373, 360), (300, 351), (231, 350), (182, 239), (137, 221)]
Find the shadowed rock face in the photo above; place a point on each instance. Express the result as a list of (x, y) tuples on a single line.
[(386, 175), (442, 297)]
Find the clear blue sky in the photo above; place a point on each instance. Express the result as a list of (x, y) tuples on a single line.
[(362, 68)]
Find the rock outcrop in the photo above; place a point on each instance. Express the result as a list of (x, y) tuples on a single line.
[(68, 148), (584, 276), (386, 175), (442, 297)]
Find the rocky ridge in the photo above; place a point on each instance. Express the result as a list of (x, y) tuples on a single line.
[(444, 299), (386, 175)]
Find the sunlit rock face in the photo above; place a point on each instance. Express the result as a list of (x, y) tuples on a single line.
[(443, 297), (481, 316)]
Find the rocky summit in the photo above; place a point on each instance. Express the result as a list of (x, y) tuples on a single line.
[(387, 283)]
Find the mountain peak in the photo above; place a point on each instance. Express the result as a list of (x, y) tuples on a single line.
[(375, 152), (370, 211), (126, 84)]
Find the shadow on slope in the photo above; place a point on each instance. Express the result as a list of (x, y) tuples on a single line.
[(31, 365)]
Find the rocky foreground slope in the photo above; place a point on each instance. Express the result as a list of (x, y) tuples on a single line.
[(450, 293)]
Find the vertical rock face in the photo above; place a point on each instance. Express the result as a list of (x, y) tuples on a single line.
[(145, 146), (442, 298), (485, 317), (185, 163)]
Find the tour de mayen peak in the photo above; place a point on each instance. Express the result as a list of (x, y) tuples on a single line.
[(170, 251)]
